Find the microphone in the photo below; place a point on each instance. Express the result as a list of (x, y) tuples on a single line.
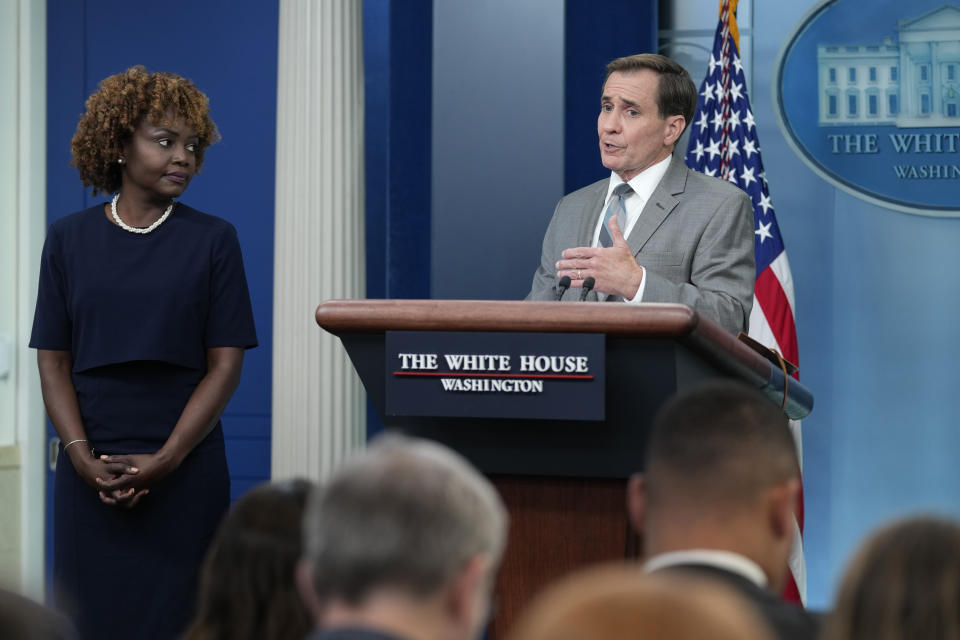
[(587, 287), (563, 286)]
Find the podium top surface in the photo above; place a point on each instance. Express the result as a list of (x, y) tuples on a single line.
[(372, 316)]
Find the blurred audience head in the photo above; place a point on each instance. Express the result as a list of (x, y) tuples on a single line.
[(620, 602), (24, 619), (247, 585), (903, 584), (405, 538), (721, 472)]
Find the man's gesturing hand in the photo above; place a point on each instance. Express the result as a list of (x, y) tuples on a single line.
[(614, 268)]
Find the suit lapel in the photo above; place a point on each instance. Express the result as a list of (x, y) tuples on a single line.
[(588, 223), (662, 201)]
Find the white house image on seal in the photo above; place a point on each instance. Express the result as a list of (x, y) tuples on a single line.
[(913, 83)]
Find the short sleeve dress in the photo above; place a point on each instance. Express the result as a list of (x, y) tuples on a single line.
[(138, 312)]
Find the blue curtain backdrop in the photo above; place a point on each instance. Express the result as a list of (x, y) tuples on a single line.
[(594, 37), (398, 54)]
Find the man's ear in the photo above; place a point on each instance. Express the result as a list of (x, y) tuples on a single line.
[(637, 501), (783, 500), (675, 126), (303, 575), (468, 595)]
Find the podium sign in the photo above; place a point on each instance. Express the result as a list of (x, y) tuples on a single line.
[(460, 374)]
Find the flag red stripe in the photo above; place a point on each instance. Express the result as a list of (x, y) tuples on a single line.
[(790, 592), (779, 316)]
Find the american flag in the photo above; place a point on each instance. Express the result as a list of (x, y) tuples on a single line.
[(723, 143)]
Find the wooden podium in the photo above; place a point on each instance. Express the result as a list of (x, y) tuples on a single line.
[(563, 481)]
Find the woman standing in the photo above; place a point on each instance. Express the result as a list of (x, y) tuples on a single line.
[(142, 318)]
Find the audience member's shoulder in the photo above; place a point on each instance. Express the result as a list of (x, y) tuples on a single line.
[(793, 621), (790, 621)]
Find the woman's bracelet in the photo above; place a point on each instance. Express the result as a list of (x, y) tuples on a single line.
[(73, 442)]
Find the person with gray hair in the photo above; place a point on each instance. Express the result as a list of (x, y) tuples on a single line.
[(402, 543)]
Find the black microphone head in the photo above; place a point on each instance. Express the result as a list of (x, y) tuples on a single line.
[(587, 287), (562, 287)]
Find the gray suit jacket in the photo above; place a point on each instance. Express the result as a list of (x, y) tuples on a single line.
[(694, 240)]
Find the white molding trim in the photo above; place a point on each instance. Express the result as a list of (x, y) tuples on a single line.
[(319, 407), (32, 208)]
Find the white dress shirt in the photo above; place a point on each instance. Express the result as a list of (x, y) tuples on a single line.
[(643, 185), (726, 560)]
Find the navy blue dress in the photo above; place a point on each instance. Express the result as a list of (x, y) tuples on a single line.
[(138, 313)]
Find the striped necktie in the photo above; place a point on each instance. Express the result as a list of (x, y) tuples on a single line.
[(615, 208)]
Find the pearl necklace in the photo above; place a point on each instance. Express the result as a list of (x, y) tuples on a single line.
[(141, 230)]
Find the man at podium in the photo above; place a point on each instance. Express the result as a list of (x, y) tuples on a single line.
[(654, 231)]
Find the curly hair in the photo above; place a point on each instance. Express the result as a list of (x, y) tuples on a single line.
[(113, 112)]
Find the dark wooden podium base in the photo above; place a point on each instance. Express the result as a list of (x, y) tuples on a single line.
[(556, 525)]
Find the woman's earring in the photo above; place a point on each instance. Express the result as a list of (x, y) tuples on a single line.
[(119, 160)]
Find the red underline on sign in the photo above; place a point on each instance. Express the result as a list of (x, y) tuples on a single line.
[(544, 376)]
